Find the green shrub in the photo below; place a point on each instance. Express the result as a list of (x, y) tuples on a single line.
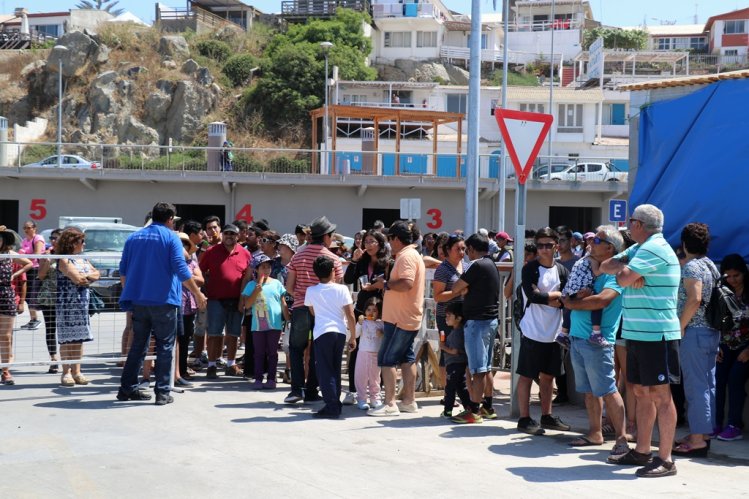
[(36, 152), (239, 68), (214, 49), (288, 165)]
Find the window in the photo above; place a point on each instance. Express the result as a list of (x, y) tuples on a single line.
[(48, 29), (457, 103), (532, 108), (663, 44), (426, 38), (734, 27), (484, 41), (570, 118), (731, 52), (397, 39)]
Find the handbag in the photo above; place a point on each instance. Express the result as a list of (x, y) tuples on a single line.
[(95, 303), (47, 296)]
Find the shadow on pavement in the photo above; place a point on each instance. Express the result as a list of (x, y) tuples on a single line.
[(597, 472)]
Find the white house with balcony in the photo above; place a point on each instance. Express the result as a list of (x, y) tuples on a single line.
[(531, 24), (427, 30)]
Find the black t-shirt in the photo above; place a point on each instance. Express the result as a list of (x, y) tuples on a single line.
[(482, 301)]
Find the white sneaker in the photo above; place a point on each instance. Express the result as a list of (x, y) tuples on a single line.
[(349, 399), (363, 405), (412, 407), (384, 410)]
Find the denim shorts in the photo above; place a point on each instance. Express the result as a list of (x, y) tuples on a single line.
[(593, 367), (479, 338), (397, 346), (224, 314)]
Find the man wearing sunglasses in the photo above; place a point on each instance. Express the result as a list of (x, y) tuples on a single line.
[(650, 273), (223, 266), (540, 356)]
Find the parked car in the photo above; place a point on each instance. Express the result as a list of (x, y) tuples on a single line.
[(68, 161), (589, 172), (541, 171)]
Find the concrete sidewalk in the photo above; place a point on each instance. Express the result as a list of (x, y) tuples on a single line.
[(221, 439)]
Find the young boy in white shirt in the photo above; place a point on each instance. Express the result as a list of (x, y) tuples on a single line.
[(333, 308)]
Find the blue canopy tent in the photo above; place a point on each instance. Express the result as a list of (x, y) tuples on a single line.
[(694, 164)]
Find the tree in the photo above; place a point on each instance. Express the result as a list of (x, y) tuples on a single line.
[(615, 38), (293, 68), (107, 5)]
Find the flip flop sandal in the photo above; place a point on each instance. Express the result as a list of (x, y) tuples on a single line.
[(583, 442), (619, 449)]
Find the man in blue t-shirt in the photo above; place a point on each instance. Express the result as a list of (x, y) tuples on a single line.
[(593, 364), (152, 270)]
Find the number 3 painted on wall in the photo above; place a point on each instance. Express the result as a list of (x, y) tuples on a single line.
[(436, 215), (37, 209)]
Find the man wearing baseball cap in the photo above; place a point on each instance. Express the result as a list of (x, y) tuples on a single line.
[(223, 266), (504, 254)]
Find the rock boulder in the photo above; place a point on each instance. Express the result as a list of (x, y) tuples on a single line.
[(173, 46)]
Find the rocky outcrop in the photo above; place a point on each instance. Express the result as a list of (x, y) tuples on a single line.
[(423, 71), (174, 46), (75, 50), (190, 67)]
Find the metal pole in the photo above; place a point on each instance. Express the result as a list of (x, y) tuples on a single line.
[(474, 97), (59, 115), (551, 80), (517, 266), (502, 162), (325, 126)]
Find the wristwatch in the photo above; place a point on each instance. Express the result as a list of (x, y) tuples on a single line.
[(385, 286)]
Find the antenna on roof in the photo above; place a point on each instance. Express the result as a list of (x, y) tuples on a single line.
[(696, 5)]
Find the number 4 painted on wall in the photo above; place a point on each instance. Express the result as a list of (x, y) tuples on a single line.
[(245, 213)]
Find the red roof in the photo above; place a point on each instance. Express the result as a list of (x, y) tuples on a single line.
[(735, 14)]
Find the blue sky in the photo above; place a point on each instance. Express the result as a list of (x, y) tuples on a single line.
[(611, 12)]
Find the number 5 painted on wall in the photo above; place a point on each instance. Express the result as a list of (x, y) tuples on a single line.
[(37, 209)]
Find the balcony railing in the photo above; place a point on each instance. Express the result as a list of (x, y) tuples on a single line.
[(487, 55), (386, 10), (320, 8), (558, 25)]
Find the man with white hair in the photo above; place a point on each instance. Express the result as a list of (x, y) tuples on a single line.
[(593, 365), (649, 272)]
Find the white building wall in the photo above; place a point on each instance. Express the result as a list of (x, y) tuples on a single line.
[(529, 44), (716, 32)]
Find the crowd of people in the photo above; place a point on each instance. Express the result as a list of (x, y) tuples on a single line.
[(624, 309)]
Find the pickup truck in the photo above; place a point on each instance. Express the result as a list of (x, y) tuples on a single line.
[(589, 172)]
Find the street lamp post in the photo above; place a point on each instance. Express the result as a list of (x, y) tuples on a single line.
[(61, 50), (325, 49)]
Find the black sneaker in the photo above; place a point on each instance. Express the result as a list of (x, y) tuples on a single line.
[(134, 395), (312, 397), (293, 397), (212, 373), (530, 426), (631, 458), (657, 468), (164, 399), (554, 423)]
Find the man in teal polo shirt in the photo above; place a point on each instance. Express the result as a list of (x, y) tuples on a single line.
[(593, 365), (649, 272)]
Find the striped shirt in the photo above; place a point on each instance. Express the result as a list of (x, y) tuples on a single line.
[(301, 264), (649, 313)]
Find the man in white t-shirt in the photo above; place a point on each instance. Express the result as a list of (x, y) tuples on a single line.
[(540, 356), (333, 309)]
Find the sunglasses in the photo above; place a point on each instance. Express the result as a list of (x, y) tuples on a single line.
[(267, 240), (545, 245), (370, 242), (598, 240)]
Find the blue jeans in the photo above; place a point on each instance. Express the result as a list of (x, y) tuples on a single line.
[(161, 321), (302, 323), (479, 339), (730, 374), (397, 346), (328, 355), (698, 349), (593, 367)]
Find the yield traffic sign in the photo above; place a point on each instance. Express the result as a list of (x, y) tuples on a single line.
[(523, 134)]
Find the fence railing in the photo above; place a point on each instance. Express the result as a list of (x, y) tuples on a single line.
[(415, 159), (557, 25)]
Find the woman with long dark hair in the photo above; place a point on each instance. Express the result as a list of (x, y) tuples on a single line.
[(365, 265), (8, 307)]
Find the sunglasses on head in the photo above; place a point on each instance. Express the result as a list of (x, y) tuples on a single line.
[(544, 245)]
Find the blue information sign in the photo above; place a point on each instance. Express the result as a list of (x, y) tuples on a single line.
[(617, 210)]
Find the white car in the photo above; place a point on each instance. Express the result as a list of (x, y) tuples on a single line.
[(68, 161), (589, 172)]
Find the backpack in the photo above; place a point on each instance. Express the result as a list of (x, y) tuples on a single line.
[(722, 307)]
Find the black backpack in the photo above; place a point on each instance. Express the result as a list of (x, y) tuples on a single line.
[(723, 306)]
